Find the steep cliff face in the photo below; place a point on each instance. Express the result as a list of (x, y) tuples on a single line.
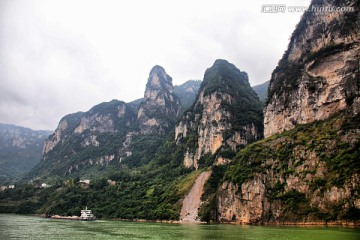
[(93, 138), (160, 106), (309, 174), (225, 116), (319, 74), (20, 150), (109, 133), (103, 118)]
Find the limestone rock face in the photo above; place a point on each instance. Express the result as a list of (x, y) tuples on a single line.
[(299, 177), (319, 73), (63, 130), (218, 119), (160, 106), (103, 118), (20, 150), (86, 139), (245, 206)]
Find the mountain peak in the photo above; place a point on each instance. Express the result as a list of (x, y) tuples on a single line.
[(223, 75), (157, 69), (226, 116), (160, 106)]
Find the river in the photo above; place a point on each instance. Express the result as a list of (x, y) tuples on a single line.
[(30, 227)]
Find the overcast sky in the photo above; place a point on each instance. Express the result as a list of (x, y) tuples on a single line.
[(60, 57)]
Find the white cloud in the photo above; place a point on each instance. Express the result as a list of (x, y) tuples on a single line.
[(62, 56)]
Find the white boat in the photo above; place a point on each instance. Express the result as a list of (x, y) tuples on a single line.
[(87, 215)]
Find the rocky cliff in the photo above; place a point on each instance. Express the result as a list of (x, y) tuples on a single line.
[(20, 150), (160, 107), (103, 118), (310, 173), (109, 133), (320, 71), (225, 116), (86, 139), (307, 175)]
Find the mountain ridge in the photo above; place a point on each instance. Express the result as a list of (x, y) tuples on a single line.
[(20, 150), (306, 170)]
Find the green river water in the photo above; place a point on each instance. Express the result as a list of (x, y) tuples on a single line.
[(29, 227)]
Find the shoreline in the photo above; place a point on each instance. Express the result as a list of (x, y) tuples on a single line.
[(339, 223)]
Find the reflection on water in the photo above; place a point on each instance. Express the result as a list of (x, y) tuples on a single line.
[(28, 227)]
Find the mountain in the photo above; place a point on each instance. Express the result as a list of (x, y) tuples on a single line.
[(307, 169), (145, 162), (212, 164), (187, 92), (160, 107), (225, 116), (20, 150), (318, 75), (98, 140), (86, 140), (262, 90)]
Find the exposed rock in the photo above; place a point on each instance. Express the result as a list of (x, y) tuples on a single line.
[(90, 140), (319, 74), (55, 138), (192, 201), (96, 123), (85, 139), (218, 119), (125, 149), (160, 106), (20, 150), (298, 177), (105, 117), (245, 206)]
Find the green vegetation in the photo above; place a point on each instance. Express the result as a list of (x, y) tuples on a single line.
[(285, 80), (145, 188), (287, 155), (20, 150), (262, 90), (224, 79), (187, 93), (328, 50), (208, 210)]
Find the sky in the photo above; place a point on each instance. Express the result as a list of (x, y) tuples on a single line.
[(63, 56)]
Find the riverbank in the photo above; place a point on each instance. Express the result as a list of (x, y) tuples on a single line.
[(341, 223), (58, 217), (31, 227), (310, 223)]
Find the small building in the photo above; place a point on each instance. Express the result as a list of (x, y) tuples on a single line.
[(85, 181), (111, 182)]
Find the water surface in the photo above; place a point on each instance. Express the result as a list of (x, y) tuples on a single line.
[(29, 227)]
